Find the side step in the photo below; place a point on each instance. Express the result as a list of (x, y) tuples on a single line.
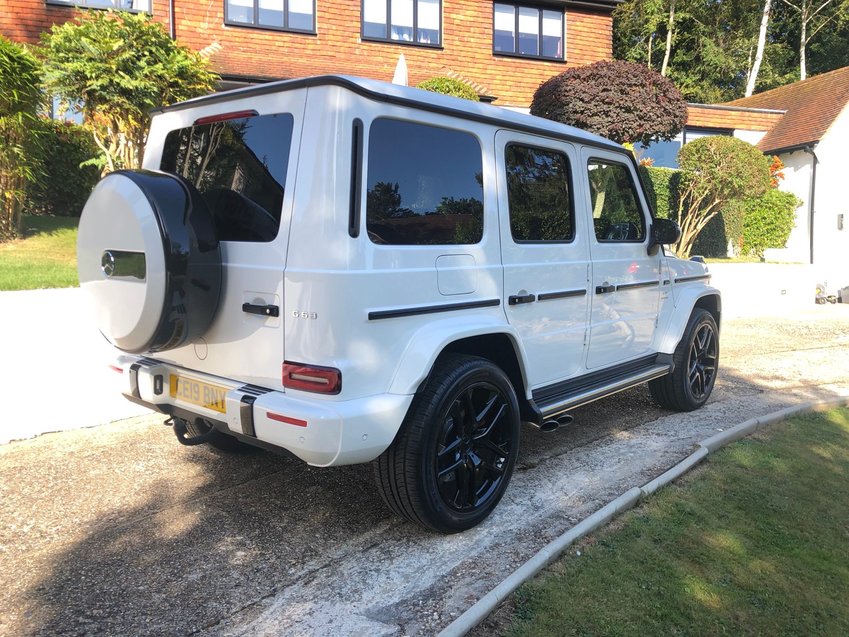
[(557, 404)]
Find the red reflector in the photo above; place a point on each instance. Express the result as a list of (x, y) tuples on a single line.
[(324, 380), (223, 117), (115, 368), (287, 420)]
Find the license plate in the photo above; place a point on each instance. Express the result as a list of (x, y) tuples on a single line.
[(198, 393)]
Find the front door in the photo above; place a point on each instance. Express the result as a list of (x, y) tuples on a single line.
[(544, 253), (626, 280)]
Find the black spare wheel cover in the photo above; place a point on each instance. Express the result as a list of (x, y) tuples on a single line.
[(149, 260)]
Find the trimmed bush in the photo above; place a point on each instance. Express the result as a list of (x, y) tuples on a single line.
[(661, 189), (61, 186), (449, 86), (768, 221), (626, 102)]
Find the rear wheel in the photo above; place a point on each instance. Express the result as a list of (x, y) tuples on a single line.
[(454, 455), (696, 361)]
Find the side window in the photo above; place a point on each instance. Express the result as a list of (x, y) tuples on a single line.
[(239, 166), (616, 209), (538, 194), (424, 185)]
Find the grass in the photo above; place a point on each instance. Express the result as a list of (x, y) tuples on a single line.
[(45, 258), (755, 542), (749, 258)]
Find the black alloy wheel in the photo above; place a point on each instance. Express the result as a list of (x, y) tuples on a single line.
[(474, 447), (701, 367), (454, 455), (695, 366)]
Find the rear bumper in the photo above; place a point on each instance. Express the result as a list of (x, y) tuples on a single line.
[(319, 432)]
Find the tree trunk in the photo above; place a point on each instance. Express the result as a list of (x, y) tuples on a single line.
[(759, 54), (670, 26), (803, 40)]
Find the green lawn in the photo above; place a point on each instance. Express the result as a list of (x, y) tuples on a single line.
[(755, 542), (45, 258)]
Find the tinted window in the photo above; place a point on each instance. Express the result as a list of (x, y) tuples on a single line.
[(424, 185), (538, 194), (616, 211), (239, 166)]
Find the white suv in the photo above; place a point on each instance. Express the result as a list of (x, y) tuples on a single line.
[(348, 271)]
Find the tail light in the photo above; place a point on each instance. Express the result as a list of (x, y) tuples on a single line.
[(322, 380)]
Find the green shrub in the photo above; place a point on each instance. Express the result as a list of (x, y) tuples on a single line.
[(661, 186), (19, 98), (449, 86), (61, 187), (768, 220)]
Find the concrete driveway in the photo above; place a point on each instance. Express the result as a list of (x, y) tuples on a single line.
[(118, 529)]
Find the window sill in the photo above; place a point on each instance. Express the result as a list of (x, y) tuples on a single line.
[(264, 27), (533, 58), (422, 45), (80, 5)]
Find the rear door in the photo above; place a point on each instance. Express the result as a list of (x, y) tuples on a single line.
[(625, 278), (243, 163), (544, 253)]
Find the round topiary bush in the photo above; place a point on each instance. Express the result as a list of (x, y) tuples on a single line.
[(623, 101), (449, 86)]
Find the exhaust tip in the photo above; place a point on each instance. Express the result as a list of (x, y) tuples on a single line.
[(549, 425)]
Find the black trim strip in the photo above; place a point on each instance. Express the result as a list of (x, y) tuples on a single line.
[(134, 380), (343, 82), (246, 415), (633, 286), (666, 282), (697, 277), (356, 179), (565, 294), (432, 309)]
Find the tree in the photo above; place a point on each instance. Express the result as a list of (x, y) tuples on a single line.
[(120, 66), (19, 99), (813, 16), (752, 78), (621, 100), (449, 86), (716, 171)]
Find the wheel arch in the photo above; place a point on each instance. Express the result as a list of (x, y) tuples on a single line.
[(706, 298), (497, 344)]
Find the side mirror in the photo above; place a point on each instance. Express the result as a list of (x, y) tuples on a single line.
[(663, 232)]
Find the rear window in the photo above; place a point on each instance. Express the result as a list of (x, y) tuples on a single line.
[(425, 185), (239, 166)]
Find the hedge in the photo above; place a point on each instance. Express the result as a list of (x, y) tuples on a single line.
[(61, 186), (768, 221), (449, 86)]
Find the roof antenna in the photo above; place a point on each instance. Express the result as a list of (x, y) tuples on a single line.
[(400, 76)]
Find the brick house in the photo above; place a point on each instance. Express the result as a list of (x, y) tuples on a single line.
[(504, 49)]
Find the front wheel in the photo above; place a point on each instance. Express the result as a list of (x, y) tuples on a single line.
[(454, 455), (696, 361)]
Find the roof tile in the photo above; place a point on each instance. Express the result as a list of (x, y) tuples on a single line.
[(812, 105)]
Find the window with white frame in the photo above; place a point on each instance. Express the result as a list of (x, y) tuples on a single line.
[(528, 31), (408, 21), (285, 15), (121, 5)]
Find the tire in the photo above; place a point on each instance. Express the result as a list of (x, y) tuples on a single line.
[(696, 362), (456, 450), (149, 260), (218, 440)]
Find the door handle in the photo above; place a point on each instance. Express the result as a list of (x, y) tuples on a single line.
[(516, 299), (605, 289), (262, 310)]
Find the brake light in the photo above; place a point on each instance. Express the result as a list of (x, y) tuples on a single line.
[(223, 117), (323, 380), (115, 368)]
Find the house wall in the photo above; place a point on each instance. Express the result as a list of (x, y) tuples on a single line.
[(831, 245), (797, 179), (337, 47)]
